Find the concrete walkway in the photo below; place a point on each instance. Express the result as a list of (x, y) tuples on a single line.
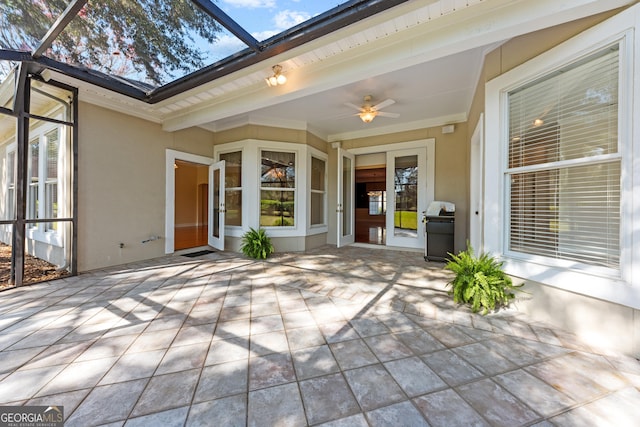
[(335, 337)]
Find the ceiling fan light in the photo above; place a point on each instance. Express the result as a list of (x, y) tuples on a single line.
[(281, 79), (272, 81), (368, 116)]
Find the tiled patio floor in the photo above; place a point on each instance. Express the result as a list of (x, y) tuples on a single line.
[(346, 337)]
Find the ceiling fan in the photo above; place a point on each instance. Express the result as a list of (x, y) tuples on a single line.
[(368, 112)]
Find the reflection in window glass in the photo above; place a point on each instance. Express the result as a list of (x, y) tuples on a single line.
[(215, 227), (233, 187), (347, 195), (318, 171), (406, 196), (317, 174), (277, 181), (278, 169), (377, 202), (565, 168)]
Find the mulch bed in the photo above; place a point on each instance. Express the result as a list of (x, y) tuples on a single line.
[(35, 269)]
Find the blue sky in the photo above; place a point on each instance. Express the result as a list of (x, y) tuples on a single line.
[(265, 18)]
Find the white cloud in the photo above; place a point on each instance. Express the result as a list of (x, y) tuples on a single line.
[(251, 4), (288, 18), (226, 45), (263, 35)]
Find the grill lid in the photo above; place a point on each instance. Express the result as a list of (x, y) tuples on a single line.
[(440, 208)]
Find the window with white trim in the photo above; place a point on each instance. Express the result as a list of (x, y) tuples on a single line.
[(10, 211), (377, 202), (50, 169), (233, 187), (43, 182), (318, 191), (563, 174), (33, 180), (277, 188)]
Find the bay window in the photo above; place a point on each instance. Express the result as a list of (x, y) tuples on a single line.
[(279, 186)]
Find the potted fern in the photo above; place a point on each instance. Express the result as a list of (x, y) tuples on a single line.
[(256, 244), (479, 281)]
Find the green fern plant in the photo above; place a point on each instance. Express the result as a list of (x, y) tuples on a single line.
[(256, 244), (479, 281)]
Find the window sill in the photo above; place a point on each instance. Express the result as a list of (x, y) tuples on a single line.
[(317, 229), (603, 288), (47, 237)]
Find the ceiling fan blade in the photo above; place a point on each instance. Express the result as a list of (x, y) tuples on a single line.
[(348, 104), (340, 116), (383, 104), (385, 114)]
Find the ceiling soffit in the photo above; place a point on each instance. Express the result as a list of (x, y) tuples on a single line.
[(406, 35)]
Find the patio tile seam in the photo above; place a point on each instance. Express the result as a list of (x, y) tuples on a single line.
[(447, 320), (456, 389), (192, 401), (586, 403), (142, 393), (21, 319), (157, 366), (383, 366), (20, 368), (511, 334)]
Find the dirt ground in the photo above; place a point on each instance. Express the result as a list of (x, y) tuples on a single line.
[(35, 269)]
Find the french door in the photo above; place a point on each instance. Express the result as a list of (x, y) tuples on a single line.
[(476, 186), (406, 197), (216, 205), (346, 186)]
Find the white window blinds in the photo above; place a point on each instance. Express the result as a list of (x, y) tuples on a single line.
[(563, 174)]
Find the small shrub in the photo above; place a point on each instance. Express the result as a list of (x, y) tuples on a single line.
[(479, 281), (256, 244), (283, 222), (269, 205), (288, 207)]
